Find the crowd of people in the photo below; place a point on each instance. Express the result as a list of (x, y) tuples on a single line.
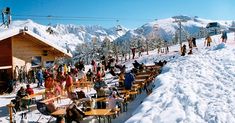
[(62, 80)]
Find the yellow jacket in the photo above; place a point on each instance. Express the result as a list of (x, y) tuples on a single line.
[(208, 39)]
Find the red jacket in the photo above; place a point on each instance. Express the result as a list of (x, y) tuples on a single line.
[(29, 91), (69, 81)]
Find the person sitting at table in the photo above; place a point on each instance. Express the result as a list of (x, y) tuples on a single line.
[(47, 108), (121, 79), (29, 90), (114, 89), (129, 79), (60, 78), (89, 75), (18, 100), (81, 76), (136, 64), (85, 100), (141, 68), (100, 86), (80, 98), (74, 114), (113, 100), (112, 72)]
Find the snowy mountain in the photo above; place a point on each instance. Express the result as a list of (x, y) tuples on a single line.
[(167, 28), (71, 34)]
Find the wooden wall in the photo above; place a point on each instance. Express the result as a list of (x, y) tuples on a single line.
[(23, 49), (5, 59), (5, 52)]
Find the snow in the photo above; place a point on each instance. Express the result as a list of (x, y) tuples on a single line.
[(166, 28), (193, 89), (196, 88), (70, 34)]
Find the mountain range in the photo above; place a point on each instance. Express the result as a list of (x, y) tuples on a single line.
[(72, 35)]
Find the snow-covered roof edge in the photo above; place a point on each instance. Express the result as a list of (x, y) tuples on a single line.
[(13, 32)]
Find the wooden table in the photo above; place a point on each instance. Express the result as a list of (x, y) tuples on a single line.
[(34, 95), (139, 80), (29, 98), (141, 76), (83, 84), (123, 91), (99, 113), (60, 112), (133, 94), (51, 99), (101, 99)]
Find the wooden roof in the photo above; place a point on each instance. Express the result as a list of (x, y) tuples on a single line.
[(35, 37)]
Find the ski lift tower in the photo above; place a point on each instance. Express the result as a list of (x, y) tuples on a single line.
[(119, 28), (6, 12), (179, 21)]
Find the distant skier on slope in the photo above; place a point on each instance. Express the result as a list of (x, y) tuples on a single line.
[(133, 52), (208, 41), (183, 50), (224, 36)]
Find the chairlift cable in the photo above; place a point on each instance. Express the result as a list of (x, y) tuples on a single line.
[(78, 17)]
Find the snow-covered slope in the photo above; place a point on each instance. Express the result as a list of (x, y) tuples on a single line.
[(70, 34), (198, 88), (167, 28)]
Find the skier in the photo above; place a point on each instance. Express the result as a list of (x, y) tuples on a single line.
[(133, 53), (224, 36), (208, 41), (183, 50)]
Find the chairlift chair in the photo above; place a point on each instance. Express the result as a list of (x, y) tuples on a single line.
[(119, 28), (50, 30)]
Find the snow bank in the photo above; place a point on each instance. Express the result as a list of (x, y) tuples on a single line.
[(193, 89)]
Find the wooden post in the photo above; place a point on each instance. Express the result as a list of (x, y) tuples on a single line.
[(10, 106)]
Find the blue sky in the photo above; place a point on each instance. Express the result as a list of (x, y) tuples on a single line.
[(130, 13)]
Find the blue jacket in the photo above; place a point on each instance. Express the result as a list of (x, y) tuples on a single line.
[(129, 79), (39, 74)]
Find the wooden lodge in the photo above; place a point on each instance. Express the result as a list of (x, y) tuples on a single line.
[(23, 48)]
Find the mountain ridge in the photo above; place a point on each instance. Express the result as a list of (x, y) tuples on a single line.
[(72, 35)]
